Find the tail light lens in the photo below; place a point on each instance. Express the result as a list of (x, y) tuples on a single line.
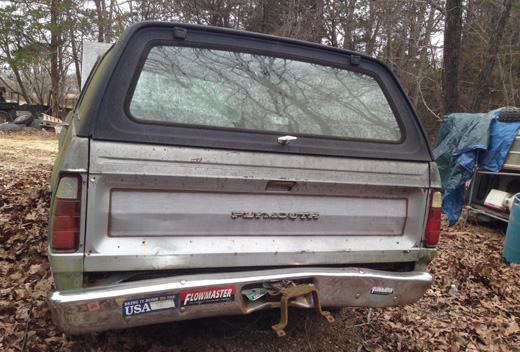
[(433, 226), (65, 219)]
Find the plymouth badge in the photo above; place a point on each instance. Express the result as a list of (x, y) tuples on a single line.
[(303, 215)]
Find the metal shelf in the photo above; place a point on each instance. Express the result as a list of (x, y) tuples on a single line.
[(486, 211), (482, 209), (485, 172)]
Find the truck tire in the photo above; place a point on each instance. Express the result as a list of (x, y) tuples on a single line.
[(5, 116), (24, 120), (509, 115)]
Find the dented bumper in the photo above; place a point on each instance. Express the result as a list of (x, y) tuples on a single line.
[(177, 298)]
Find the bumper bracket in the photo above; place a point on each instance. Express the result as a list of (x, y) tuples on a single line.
[(293, 292)]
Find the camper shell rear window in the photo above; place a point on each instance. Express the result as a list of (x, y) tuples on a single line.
[(204, 87), (220, 89)]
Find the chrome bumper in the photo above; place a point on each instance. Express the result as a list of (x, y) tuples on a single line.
[(206, 295)]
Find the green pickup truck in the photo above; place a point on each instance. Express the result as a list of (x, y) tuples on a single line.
[(207, 171)]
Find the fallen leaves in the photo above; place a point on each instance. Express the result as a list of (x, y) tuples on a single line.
[(24, 208), (484, 317)]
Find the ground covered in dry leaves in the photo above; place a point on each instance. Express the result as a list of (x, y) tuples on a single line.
[(484, 317)]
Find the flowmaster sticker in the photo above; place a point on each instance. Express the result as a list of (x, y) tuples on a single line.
[(216, 295), (381, 290), (149, 305)]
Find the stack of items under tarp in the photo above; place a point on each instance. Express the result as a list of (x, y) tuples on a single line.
[(461, 136)]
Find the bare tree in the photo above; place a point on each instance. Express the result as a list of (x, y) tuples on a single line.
[(490, 57), (348, 43), (54, 96), (451, 63)]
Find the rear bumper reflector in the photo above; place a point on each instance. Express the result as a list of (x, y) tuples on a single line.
[(178, 298)]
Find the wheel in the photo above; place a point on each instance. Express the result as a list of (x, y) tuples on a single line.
[(5, 116), (24, 120)]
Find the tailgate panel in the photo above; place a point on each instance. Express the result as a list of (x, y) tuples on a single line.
[(157, 207), (177, 213)]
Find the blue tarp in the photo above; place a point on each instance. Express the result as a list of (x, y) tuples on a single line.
[(460, 137)]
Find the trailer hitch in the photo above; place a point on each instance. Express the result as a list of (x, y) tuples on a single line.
[(293, 292)]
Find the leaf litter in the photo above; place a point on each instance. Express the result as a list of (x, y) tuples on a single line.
[(484, 315)]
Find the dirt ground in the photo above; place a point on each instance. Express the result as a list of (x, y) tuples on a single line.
[(484, 317)]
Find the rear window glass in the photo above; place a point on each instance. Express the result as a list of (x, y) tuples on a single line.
[(234, 90)]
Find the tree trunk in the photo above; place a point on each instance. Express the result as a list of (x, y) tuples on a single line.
[(55, 74), (75, 57), (490, 57), (318, 22), (17, 75), (349, 42), (388, 52), (450, 72), (372, 29), (422, 47), (100, 20), (108, 31), (265, 15)]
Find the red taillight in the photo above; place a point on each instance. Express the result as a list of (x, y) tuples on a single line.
[(66, 215), (433, 226)]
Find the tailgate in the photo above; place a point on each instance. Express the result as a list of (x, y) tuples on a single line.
[(165, 207)]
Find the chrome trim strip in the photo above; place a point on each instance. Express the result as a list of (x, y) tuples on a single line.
[(101, 308)]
